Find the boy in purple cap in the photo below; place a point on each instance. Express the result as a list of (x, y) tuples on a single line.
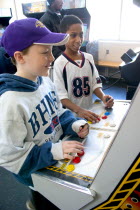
[(32, 120)]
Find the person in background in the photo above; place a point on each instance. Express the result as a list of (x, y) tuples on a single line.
[(6, 65), (75, 74), (32, 120), (51, 19)]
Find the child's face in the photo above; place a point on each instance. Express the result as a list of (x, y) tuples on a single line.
[(76, 37), (37, 61)]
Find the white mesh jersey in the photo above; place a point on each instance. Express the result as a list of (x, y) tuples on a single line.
[(76, 80)]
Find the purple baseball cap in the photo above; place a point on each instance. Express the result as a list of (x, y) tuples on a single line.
[(23, 33)]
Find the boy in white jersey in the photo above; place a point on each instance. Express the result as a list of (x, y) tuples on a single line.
[(32, 121), (75, 74)]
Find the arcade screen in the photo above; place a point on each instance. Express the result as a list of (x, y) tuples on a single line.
[(86, 31), (74, 4), (34, 7)]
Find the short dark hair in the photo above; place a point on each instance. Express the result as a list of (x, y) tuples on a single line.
[(50, 1), (67, 21)]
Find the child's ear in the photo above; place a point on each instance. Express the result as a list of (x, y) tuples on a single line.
[(19, 57)]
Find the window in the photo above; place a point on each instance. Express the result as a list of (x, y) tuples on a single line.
[(114, 20), (130, 29)]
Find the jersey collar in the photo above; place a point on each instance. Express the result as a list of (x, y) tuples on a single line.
[(72, 61)]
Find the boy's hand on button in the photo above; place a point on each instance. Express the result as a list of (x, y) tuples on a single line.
[(88, 115), (83, 131), (108, 101), (70, 148)]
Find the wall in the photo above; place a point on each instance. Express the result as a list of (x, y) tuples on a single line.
[(116, 49), (110, 51)]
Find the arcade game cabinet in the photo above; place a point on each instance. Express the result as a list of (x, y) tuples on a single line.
[(34, 9), (107, 177), (6, 65), (130, 71), (130, 68), (78, 8)]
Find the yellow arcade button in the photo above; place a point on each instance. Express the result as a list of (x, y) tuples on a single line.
[(89, 122), (70, 168)]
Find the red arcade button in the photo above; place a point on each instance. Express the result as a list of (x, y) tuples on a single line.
[(76, 160), (81, 154), (104, 117)]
